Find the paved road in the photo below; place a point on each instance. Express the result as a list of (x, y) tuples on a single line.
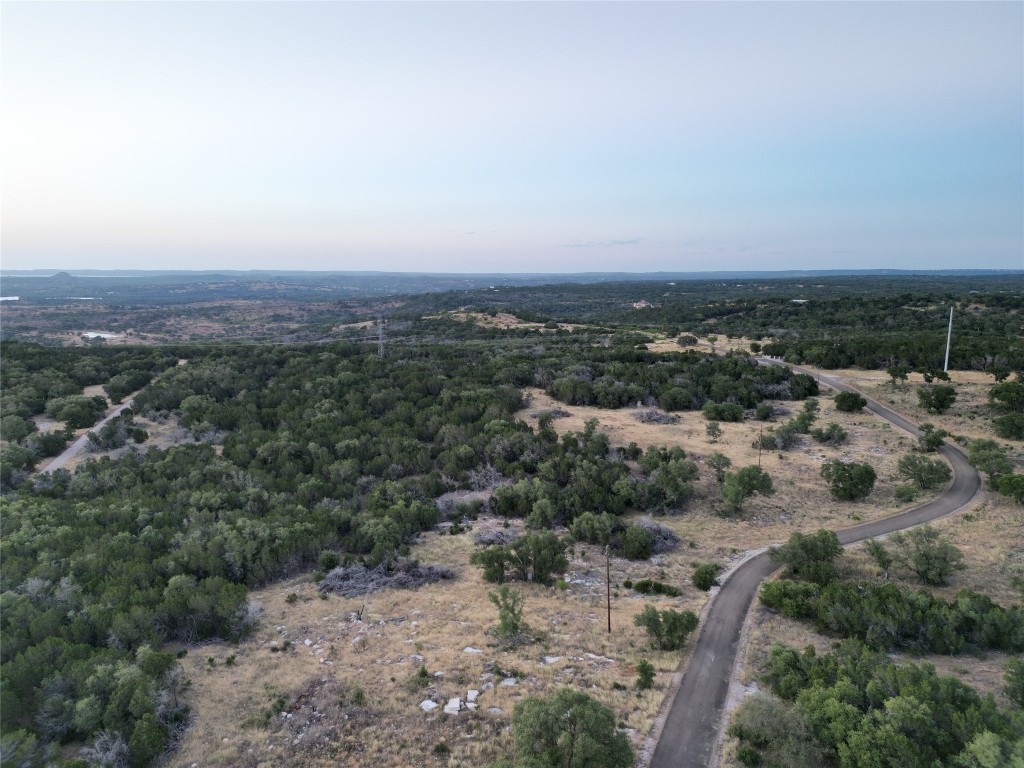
[(691, 728), (79, 445)]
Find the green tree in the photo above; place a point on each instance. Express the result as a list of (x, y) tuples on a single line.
[(897, 373), (931, 439), (848, 481), (538, 556), (719, 462), (1008, 396), (927, 473), (850, 402), (568, 730), (989, 457), (714, 431), (744, 483), (809, 556), (990, 750), (147, 741), (930, 556), (937, 399)]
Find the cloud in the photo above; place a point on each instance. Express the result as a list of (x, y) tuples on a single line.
[(603, 243)]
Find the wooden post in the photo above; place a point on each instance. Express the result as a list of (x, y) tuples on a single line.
[(760, 442), (608, 582)]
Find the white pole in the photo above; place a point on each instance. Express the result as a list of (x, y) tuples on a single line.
[(949, 338)]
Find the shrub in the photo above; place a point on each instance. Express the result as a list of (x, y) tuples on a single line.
[(832, 435), (748, 755), (850, 402), (644, 675), (1010, 426), (1014, 677), (764, 412), (667, 629), (328, 560), (927, 473), (509, 603), (848, 481), (594, 529), (744, 483), (906, 493), (809, 556), (651, 587), (637, 542), (722, 411), (794, 599), (937, 399), (705, 574), (931, 557), (1012, 486)]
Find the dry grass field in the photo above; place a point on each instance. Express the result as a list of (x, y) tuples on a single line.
[(443, 627)]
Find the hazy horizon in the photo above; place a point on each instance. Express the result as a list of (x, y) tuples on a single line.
[(512, 137)]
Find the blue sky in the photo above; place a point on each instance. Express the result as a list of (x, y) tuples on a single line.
[(513, 137)]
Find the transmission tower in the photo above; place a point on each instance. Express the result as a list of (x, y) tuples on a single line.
[(380, 337)]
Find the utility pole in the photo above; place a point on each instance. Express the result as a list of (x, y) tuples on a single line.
[(760, 442), (949, 338), (608, 582), (380, 337)]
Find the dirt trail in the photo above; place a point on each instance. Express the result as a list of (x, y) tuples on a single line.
[(691, 727), (79, 445)]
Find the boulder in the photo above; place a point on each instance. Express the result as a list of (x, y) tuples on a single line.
[(453, 706)]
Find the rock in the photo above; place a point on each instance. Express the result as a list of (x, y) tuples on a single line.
[(471, 695), (470, 705), (552, 659), (509, 681), (453, 706), (494, 710), (439, 674), (471, 649), (428, 706), (307, 642), (486, 687)]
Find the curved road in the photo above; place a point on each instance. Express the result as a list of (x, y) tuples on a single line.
[(691, 727)]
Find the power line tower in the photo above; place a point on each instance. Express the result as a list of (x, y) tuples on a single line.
[(380, 337)]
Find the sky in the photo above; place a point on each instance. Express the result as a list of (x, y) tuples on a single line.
[(512, 136)]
